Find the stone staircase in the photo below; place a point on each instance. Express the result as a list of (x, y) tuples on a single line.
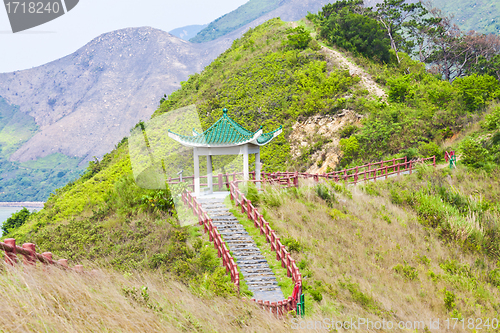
[(251, 263)]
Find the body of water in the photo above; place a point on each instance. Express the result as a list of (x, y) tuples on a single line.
[(7, 211)]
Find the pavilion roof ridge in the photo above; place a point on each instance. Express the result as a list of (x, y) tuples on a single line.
[(225, 132)]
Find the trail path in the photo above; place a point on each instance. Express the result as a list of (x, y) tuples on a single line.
[(366, 80), (251, 263)]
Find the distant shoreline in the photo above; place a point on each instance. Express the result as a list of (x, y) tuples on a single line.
[(36, 204)]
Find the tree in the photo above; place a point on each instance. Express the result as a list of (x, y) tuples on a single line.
[(357, 33), (395, 16), (15, 221)]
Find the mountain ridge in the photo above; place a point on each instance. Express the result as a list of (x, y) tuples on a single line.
[(81, 88)]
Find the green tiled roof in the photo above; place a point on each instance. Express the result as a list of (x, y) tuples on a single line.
[(224, 132)]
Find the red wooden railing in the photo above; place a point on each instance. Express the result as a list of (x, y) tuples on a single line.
[(280, 307), (370, 171), (30, 256), (214, 236)]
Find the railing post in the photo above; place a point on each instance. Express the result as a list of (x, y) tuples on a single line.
[(11, 257), (356, 176), (434, 160), (386, 172), (411, 166), (249, 203), (48, 256), (220, 181), (29, 259), (63, 262)]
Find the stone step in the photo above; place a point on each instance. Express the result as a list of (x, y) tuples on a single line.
[(256, 263), (251, 263), (268, 276)]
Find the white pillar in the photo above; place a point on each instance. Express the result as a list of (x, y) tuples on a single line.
[(197, 189), (245, 162), (257, 167), (209, 174)]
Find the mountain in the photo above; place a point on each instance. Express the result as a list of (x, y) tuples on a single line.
[(57, 117), (479, 15), (256, 12), (84, 103), (188, 31)]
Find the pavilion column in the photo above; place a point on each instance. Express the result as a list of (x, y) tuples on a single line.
[(257, 167), (197, 189), (209, 174), (245, 163)]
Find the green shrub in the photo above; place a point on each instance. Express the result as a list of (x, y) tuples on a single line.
[(292, 244), (354, 32), (400, 89), (298, 38), (15, 220), (253, 194), (476, 90), (430, 149), (324, 193), (347, 131), (350, 149), (494, 277), (492, 120), (473, 153), (449, 300), (407, 271)]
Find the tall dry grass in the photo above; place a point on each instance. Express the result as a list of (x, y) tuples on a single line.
[(34, 300), (372, 259)]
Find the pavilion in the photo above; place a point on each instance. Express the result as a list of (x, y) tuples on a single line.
[(225, 137)]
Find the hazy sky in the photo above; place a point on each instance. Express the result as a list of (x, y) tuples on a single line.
[(90, 18)]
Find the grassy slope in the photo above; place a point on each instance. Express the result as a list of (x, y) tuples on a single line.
[(235, 19), (366, 257), (262, 82)]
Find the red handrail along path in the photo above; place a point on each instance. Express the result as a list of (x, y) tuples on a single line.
[(366, 172), (280, 307), (30, 256), (214, 236), (370, 171)]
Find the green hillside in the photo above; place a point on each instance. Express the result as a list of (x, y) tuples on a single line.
[(227, 23), (406, 249), (481, 16), (32, 180)]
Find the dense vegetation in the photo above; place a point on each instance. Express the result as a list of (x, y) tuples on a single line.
[(31, 180), (422, 110)]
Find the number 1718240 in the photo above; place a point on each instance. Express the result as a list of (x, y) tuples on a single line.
[(471, 323), (24, 7)]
